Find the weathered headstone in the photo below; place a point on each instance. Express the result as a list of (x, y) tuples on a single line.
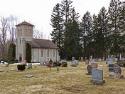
[(86, 61), (94, 65), (97, 76), (74, 62), (29, 65), (111, 70), (89, 69), (117, 71), (81, 58)]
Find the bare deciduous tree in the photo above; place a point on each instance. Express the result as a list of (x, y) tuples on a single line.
[(3, 35), (37, 34), (12, 21)]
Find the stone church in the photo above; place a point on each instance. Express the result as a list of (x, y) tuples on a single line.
[(42, 49)]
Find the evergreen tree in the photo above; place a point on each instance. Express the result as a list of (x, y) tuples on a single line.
[(122, 17), (113, 25), (11, 52), (67, 12), (72, 37), (100, 32), (57, 24), (86, 34), (121, 40), (66, 9)]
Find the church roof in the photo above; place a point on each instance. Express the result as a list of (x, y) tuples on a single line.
[(43, 43), (24, 23)]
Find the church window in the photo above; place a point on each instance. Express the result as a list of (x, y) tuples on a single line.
[(53, 53), (41, 53), (48, 52), (20, 40)]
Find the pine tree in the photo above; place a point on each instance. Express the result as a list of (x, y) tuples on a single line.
[(86, 29), (100, 32), (66, 9), (113, 25), (121, 40), (122, 17), (67, 12), (57, 24), (11, 52), (72, 37)]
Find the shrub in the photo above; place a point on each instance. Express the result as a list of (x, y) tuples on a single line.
[(55, 64), (11, 52), (64, 64), (13, 61), (21, 67)]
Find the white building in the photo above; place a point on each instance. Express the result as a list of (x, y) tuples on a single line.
[(42, 49)]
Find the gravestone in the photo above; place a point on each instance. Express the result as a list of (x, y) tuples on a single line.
[(94, 65), (118, 71), (74, 63), (29, 65), (86, 62), (111, 70), (97, 76), (89, 69)]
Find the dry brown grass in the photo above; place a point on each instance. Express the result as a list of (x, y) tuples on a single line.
[(70, 80)]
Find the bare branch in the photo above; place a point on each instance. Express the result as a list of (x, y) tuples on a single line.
[(37, 34)]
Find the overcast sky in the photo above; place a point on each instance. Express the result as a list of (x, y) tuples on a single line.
[(38, 12)]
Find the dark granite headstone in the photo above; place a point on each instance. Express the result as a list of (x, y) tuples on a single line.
[(117, 71), (89, 69)]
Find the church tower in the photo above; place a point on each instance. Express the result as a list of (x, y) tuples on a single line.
[(24, 33)]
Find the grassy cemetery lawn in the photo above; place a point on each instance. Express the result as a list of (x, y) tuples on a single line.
[(68, 80)]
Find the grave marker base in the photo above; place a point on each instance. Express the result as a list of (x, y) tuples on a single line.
[(95, 82), (97, 76)]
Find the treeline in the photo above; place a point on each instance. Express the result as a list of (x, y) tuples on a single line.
[(7, 38), (94, 35)]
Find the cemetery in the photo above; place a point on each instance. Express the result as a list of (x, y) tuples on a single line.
[(66, 80), (81, 53)]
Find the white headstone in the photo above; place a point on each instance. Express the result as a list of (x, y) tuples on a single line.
[(29, 65)]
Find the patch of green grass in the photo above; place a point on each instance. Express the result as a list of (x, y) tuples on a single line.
[(68, 80)]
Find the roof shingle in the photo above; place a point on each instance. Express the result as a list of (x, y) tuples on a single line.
[(43, 43)]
